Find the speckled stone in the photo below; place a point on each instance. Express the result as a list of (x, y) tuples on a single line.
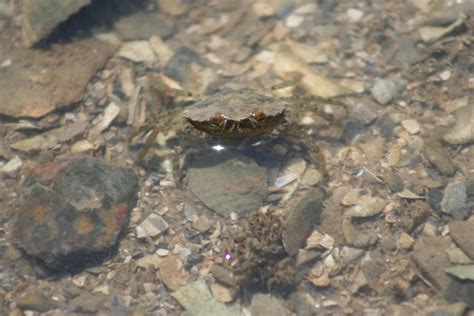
[(73, 211)]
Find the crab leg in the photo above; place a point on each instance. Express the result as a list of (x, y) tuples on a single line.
[(314, 152), (148, 143), (332, 120), (328, 117)]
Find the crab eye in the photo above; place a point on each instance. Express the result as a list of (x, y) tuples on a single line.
[(219, 117), (257, 115), (227, 256)]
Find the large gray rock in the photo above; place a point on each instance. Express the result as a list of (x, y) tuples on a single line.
[(236, 184)]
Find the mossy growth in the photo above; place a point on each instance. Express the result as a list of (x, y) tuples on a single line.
[(254, 253)]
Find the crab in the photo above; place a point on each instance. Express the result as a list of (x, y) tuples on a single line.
[(245, 114)]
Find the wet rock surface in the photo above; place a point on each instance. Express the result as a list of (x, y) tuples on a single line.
[(236, 185), (393, 235), (74, 210)]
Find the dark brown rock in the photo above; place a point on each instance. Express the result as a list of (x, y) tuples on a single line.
[(74, 209)]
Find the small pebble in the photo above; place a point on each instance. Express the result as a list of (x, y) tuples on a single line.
[(354, 15), (149, 261), (202, 224), (364, 113), (445, 75), (294, 20), (162, 252), (385, 90), (405, 241), (152, 226), (366, 207), (137, 51), (411, 126), (223, 294), (350, 254), (311, 177), (82, 146)]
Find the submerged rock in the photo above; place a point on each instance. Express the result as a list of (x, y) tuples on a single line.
[(233, 185), (74, 210)]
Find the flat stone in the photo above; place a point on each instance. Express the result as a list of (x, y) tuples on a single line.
[(411, 126), (149, 261), (110, 113), (454, 201), (356, 237), (73, 210), (236, 185), (82, 146), (202, 224), (349, 254), (405, 241), (266, 304), (197, 300), (456, 309), (153, 225), (367, 206), (27, 90), (462, 233), (172, 272), (430, 256), (51, 138), (462, 272), (223, 275), (301, 220), (463, 131), (223, 294), (137, 51), (311, 177), (12, 165), (36, 301), (430, 34), (439, 157), (457, 256), (88, 303)]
